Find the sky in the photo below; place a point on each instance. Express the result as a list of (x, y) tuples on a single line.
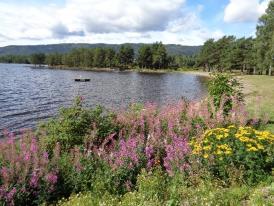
[(185, 22)]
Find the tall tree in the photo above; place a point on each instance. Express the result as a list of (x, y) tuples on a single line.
[(126, 55), (265, 39), (99, 58), (145, 56), (38, 59), (205, 56), (159, 56), (110, 57)]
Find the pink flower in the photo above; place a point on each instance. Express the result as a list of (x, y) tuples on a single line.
[(27, 156), (51, 178), (33, 146), (34, 180)]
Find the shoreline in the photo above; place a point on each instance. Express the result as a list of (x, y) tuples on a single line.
[(139, 70)]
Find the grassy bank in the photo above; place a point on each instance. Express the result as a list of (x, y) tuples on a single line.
[(259, 95)]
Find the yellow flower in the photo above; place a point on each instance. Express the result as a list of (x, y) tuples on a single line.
[(252, 149), (259, 146), (228, 152), (249, 145), (243, 139), (208, 147), (205, 156), (218, 137), (226, 135)]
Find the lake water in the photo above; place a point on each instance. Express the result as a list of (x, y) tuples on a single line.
[(28, 95)]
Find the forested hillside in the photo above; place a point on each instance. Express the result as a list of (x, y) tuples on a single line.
[(172, 49)]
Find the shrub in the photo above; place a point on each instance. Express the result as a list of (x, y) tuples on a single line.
[(223, 87), (77, 171), (74, 124), (243, 148)]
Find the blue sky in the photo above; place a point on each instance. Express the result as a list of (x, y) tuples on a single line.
[(186, 22)]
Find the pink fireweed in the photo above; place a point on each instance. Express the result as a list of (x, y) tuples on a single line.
[(176, 152), (127, 154), (25, 168), (159, 135)]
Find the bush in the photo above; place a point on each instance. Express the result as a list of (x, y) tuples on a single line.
[(224, 87), (73, 125), (241, 148)]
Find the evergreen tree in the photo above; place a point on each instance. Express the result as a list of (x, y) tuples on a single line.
[(99, 58), (159, 56), (126, 55), (205, 56), (38, 59), (145, 56), (265, 40), (110, 57)]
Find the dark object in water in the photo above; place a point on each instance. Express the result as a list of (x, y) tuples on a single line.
[(82, 80)]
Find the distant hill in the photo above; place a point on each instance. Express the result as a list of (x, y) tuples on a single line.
[(64, 48)]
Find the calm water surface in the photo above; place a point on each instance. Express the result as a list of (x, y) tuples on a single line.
[(28, 95)]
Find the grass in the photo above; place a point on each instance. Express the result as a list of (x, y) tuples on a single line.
[(259, 93)]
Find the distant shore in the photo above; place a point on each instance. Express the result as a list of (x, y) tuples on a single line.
[(109, 69)]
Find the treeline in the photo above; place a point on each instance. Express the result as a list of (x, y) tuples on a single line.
[(149, 56), (152, 56), (249, 55), (17, 59)]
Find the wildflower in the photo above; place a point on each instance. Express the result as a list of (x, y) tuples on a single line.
[(34, 180), (252, 149), (51, 178), (33, 146), (208, 147), (205, 156), (11, 194)]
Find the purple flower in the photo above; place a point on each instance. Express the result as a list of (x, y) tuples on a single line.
[(34, 180), (27, 156), (149, 154), (33, 146), (10, 196), (51, 178), (176, 152)]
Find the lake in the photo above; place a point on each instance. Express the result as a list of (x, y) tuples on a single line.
[(29, 95)]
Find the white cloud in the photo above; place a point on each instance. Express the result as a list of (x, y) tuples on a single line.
[(244, 10), (99, 16), (108, 21)]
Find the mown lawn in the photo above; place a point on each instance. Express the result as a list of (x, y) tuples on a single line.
[(259, 92)]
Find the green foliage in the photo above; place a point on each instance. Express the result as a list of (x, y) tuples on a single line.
[(186, 61), (125, 55), (38, 58), (222, 88), (145, 57), (54, 59), (159, 57), (18, 59), (265, 39), (151, 186), (242, 153), (244, 54), (73, 125), (263, 195)]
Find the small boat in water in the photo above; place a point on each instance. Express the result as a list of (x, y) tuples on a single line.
[(82, 80)]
